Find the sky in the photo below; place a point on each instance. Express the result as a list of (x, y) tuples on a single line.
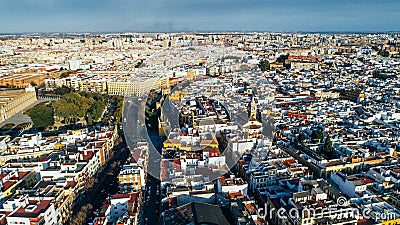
[(27, 16)]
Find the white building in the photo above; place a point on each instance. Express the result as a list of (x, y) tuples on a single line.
[(232, 185), (29, 211)]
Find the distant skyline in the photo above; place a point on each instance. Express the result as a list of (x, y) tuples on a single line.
[(28, 16)]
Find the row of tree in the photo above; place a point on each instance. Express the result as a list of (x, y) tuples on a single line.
[(81, 218), (119, 102)]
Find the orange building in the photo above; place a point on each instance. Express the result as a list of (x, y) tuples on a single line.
[(173, 81), (21, 80), (190, 74)]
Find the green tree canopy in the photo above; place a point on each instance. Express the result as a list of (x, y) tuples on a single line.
[(282, 58), (384, 53), (264, 65), (73, 106), (42, 116), (327, 149), (89, 119), (301, 138), (62, 90), (66, 110), (317, 135)]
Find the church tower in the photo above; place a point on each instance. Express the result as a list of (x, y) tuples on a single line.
[(253, 110), (253, 127)]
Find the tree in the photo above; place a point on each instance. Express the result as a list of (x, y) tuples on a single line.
[(139, 64), (90, 119), (81, 217), (317, 135), (119, 101), (62, 90), (74, 105), (65, 109), (42, 116), (90, 183), (118, 115), (96, 104), (327, 149), (301, 138), (264, 65), (282, 58), (384, 53), (97, 108), (64, 75)]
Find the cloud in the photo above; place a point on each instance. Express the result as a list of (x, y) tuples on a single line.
[(175, 15)]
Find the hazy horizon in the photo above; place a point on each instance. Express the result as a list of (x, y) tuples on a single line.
[(51, 16), (198, 31)]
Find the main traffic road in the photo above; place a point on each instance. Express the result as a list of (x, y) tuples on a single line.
[(135, 131)]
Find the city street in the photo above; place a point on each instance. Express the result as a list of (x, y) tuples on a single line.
[(133, 121), (153, 188), (135, 131)]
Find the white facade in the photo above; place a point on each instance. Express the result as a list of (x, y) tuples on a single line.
[(25, 209), (117, 208), (352, 188)]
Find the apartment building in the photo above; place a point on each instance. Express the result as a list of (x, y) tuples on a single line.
[(136, 88), (30, 211), (131, 178)]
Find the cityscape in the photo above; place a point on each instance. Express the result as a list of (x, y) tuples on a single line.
[(219, 113)]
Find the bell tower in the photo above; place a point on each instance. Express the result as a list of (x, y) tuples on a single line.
[(253, 110)]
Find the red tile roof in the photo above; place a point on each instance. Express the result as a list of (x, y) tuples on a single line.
[(367, 180), (289, 162), (40, 207), (70, 184), (2, 175), (44, 159), (8, 184), (176, 164), (234, 195), (22, 174), (118, 196), (86, 156)]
